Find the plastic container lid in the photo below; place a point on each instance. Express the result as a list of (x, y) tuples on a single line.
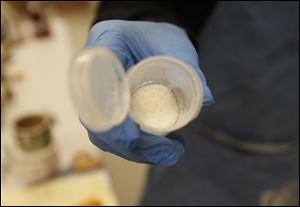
[(99, 88)]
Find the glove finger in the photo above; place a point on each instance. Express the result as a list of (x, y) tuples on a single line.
[(178, 138), (149, 149), (112, 40), (103, 146), (159, 150), (122, 137), (126, 134), (107, 147)]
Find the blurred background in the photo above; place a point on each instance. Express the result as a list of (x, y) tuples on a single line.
[(38, 40), (47, 158)]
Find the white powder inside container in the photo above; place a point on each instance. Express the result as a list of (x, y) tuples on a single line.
[(154, 106)]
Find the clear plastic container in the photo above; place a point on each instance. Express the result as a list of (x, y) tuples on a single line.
[(101, 89)]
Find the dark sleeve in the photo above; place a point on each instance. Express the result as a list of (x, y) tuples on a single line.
[(190, 15)]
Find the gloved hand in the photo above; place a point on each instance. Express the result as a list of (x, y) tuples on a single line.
[(132, 42)]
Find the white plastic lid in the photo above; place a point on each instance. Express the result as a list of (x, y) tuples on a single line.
[(99, 88)]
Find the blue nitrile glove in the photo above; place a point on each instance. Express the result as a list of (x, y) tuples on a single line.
[(132, 41)]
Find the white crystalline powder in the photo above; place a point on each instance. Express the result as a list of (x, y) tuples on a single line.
[(154, 106)]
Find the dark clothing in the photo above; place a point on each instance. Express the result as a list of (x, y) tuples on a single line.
[(249, 53), (177, 12), (212, 174)]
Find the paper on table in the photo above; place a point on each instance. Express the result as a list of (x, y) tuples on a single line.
[(69, 190)]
